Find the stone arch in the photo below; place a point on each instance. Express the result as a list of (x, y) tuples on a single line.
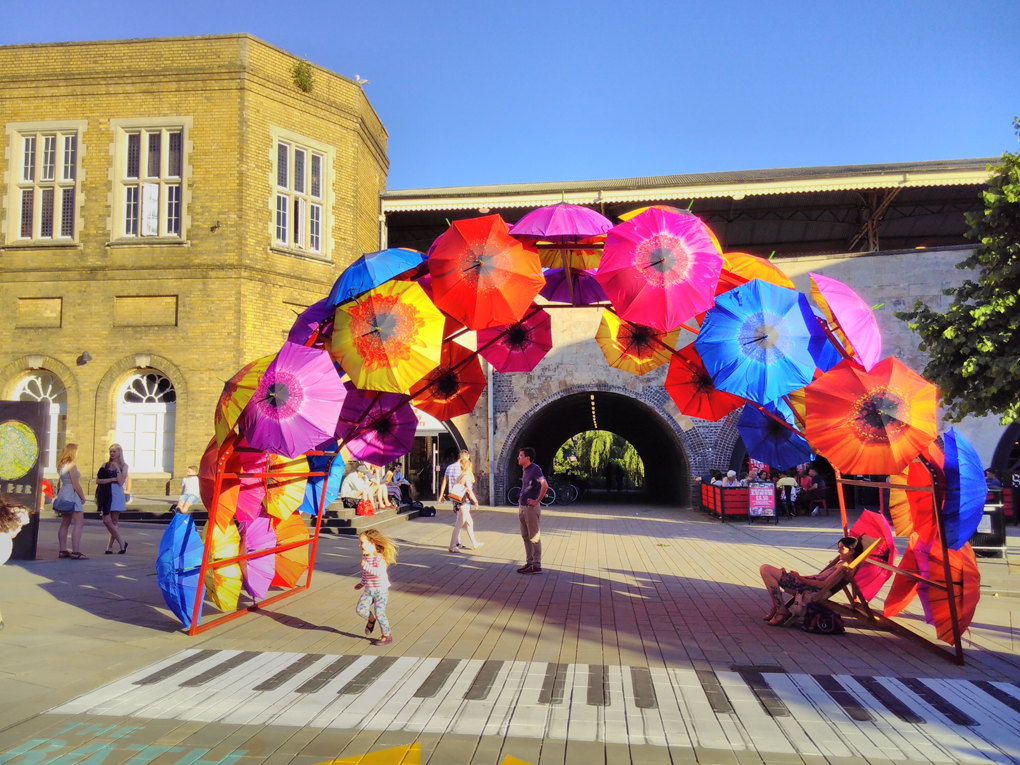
[(1009, 438)]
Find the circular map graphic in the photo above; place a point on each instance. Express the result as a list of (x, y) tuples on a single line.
[(19, 449)]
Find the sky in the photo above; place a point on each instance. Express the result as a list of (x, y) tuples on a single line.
[(509, 92)]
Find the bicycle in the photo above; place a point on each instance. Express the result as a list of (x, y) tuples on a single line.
[(565, 492), (513, 496)]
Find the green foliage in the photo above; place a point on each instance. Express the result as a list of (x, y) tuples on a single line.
[(587, 455), (974, 346), (304, 79)]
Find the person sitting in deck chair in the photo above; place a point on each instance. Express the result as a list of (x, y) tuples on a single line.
[(777, 579)]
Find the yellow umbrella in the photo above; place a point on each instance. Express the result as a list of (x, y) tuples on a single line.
[(388, 339), (632, 347), (284, 495), (237, 392), (224, 584), (575, 260), (668, 208)]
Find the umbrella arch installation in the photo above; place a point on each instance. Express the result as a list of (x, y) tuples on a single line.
[(808, 379)]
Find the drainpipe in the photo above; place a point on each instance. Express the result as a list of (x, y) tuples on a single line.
[(490, 428)]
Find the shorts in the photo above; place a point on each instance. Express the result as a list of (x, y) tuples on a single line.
[(187, 498)]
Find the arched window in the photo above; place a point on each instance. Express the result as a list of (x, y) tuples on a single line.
[(146, 409), (46, 386)]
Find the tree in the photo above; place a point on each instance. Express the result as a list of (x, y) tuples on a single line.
[(974, 347)]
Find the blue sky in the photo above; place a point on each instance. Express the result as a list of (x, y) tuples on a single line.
[(497, 92)]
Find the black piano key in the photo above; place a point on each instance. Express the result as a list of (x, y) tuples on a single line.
[(319, 680), (889, 700), (552, 685), (285, 674), (368, 675), (436, 678), (844, 698), (998, 694), (644, 691), (484, 680), (598, 685), (717, 697), (220, 669), (767, 697), (933, 699), (178, 666)]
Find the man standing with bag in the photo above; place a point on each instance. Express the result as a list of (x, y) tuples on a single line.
[(529, 510)]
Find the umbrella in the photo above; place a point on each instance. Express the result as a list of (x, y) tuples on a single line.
[(850, 317), (450, 325), (296, 404), (454, 387), (869, 527), (240, 498), (561, 223), (690, 386), (668, 208), (770, 441), (224, 583), (870, 422), (376, 427), (517, 347), (258, 573), (739, 268), (177, 566), (659, 269), (389, 339), (482, 276), (313, 326), (912, 512), (632, 347), (371, 270), (237, 392), (760, 341), (966, 489), (285, 494), (291, 563), (967, 583), (904, 588), (585, 288), (573, 259), (320, 463)]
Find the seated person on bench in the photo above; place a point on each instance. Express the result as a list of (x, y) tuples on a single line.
[(777, 580), (355, 487)]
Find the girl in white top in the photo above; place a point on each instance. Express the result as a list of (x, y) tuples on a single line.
[(71, 491), (462, 507)]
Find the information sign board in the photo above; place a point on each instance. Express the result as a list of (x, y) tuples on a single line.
[(762, 500)]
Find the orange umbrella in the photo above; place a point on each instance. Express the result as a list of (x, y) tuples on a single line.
[(740, 268), (290, 564), (237, 392), (904, 588), (454, 387), (482, 276), (575, 260), (285, 494), (967, 589), (690, 386), (873, 422), (912, 511), (632, 347)]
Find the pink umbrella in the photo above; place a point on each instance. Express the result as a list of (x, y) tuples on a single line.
[(517, 347), (561, 224), (376, 427), (660, 269), (871, 578), (297, 403), (850, 318), (586, 290), (257, 573), (316, 321)]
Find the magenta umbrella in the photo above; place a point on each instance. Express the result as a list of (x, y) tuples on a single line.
[(296, 405), (376, 427), (586, 290), (315, 321), (850, 318), (660, 269), (258, 573), (871, 578), (517, 347), (561, 223)]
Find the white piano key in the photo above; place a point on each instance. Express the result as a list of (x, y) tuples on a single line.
[(820, 733), (760, 726), (996, 721), (674, 727), (442, 719), (384, 717), (709, 730), (306, 710), (234, 690), (559, 713), (529, 718), (375, 695), (474, 714), (503, 708), (420, 719), (583, 718), (616, 730), (417, 677), (265, 705)]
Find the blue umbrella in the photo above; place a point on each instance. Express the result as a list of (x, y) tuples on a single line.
[(768, 441), (965, 490), (828, 356), (761, 341), (310, 504), (369, 271), (177, 566)]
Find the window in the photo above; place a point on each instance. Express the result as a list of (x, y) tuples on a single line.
[(46, 386), (299, 199), (146, 411), (151, 182), (47, 197)]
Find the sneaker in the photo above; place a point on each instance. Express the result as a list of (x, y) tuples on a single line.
[(814, 512), (533, 570), (524, 569)]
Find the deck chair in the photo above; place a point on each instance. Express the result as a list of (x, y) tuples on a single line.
[(841, 581)]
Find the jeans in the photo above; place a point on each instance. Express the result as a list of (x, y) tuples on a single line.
[(531, 519)]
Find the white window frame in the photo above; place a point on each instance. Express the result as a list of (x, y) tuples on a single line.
[(57, 412), (164, 415), (292, 203), (28, 169)]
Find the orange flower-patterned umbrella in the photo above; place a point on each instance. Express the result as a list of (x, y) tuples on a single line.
[(237, 392), (873, 422), (454, 387), (690, 386), (290, 564), (482, 276), (966, 586), (634, 348), (389, 338), (240, 498), (285, 494)]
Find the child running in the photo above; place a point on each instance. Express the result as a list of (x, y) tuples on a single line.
[(377, 552)]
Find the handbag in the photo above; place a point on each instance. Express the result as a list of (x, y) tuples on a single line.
[(364, 508), (457, 492), (64, 505)]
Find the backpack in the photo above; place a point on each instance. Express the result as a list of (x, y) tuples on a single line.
[(822, 621), (427, 511), (365, 508)]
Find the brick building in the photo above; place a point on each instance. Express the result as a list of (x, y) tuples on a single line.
[(166, 206)]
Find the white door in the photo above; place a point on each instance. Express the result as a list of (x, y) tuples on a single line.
[(146, 410)]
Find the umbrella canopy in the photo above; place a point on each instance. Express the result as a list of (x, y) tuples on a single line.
[(869, 527), (573, 258), (257, 573), (850, 318), (313, 326), (870, 422), (389, 339), (291, 563), (224, 584), (284, 494), (690, 386), (240, 498), (320, 463), (237, 392), (450, 325), (561, 223), (296, 404), (966, 489), (517, 347), (659, 269), (482, 276), (912, 512), (454, 387), (376, 427), (177, 566), (670, 209), (904, 588), (371, 270), (740, 268), (760, 342), (769, 441), (585, 287), (967, 590), (632, 347)]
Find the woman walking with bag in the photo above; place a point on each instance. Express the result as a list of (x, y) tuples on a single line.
[(69, 503), (462, 494), (110, 482)]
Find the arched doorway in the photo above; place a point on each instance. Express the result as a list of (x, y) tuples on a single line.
[(146, 414), (667, 471)]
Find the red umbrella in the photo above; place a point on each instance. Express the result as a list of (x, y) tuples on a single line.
[(904, 588), (239, 497), (482, 276), (912, 511), (454, 387), (518, 347), (690, 386), (869, 527), (450, 326)]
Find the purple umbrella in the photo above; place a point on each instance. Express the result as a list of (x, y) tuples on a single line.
[(258, 573), (561, 224), (376, 427), (316, 320), (297, 403), (587, 290)]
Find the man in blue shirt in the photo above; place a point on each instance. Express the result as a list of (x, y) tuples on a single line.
[(529, 510)]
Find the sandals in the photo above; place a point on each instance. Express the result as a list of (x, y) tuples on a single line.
[(78, 556), (64, 554), (384, 640), (370, 627), (453, 549)]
